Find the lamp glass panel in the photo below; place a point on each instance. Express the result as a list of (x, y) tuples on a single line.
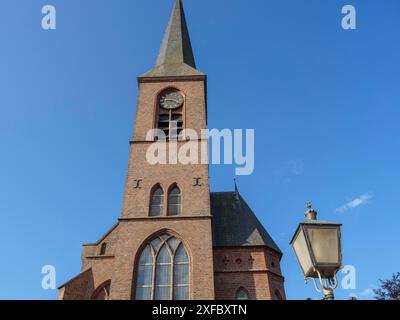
[(302, 253), (325, 244)]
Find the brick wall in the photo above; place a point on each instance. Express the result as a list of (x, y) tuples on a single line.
[(195, 199), (256, 269), (215, 273), (194, 233), (79, 288)]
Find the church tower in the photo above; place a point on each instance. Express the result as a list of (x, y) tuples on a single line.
[(167, 199), (174, 239)]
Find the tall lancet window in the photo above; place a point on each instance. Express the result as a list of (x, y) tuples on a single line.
[(174, 201), (144, 287), (170, 114), (163, 270), (181, 274), (156, 202), (163, 274)]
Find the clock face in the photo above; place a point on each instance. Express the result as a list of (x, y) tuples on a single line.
[(171, 100)]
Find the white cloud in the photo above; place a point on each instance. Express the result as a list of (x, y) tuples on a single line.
[(296, 167), (367, 292), (361, 200)]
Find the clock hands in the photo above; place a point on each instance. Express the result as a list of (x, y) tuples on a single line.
[(176, 101), (171, 100)]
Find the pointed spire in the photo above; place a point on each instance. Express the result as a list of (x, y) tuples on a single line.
[(176, 46), (176, 54)]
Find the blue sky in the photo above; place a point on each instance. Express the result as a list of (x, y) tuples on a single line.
[(324, 103)]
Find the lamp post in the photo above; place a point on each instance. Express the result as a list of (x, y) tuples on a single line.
[(318, 248)]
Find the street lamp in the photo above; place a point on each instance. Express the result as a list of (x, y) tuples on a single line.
[(318, 248)]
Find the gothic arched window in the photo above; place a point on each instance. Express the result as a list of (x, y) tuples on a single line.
[(174, 201), (144, 284), (242, 294), (103, 249), (163, 270), (102, 292), (170, 113), (156, 202), (277, 295)]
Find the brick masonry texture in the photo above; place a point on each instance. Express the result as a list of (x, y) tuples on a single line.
[(109, 266), (215, 273), (255, 269), (196, 236), (195, 200)]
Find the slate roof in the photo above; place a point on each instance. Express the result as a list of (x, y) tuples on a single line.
[(235, 224), (176, 54)]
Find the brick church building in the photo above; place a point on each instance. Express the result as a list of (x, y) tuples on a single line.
[(174, 239)]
